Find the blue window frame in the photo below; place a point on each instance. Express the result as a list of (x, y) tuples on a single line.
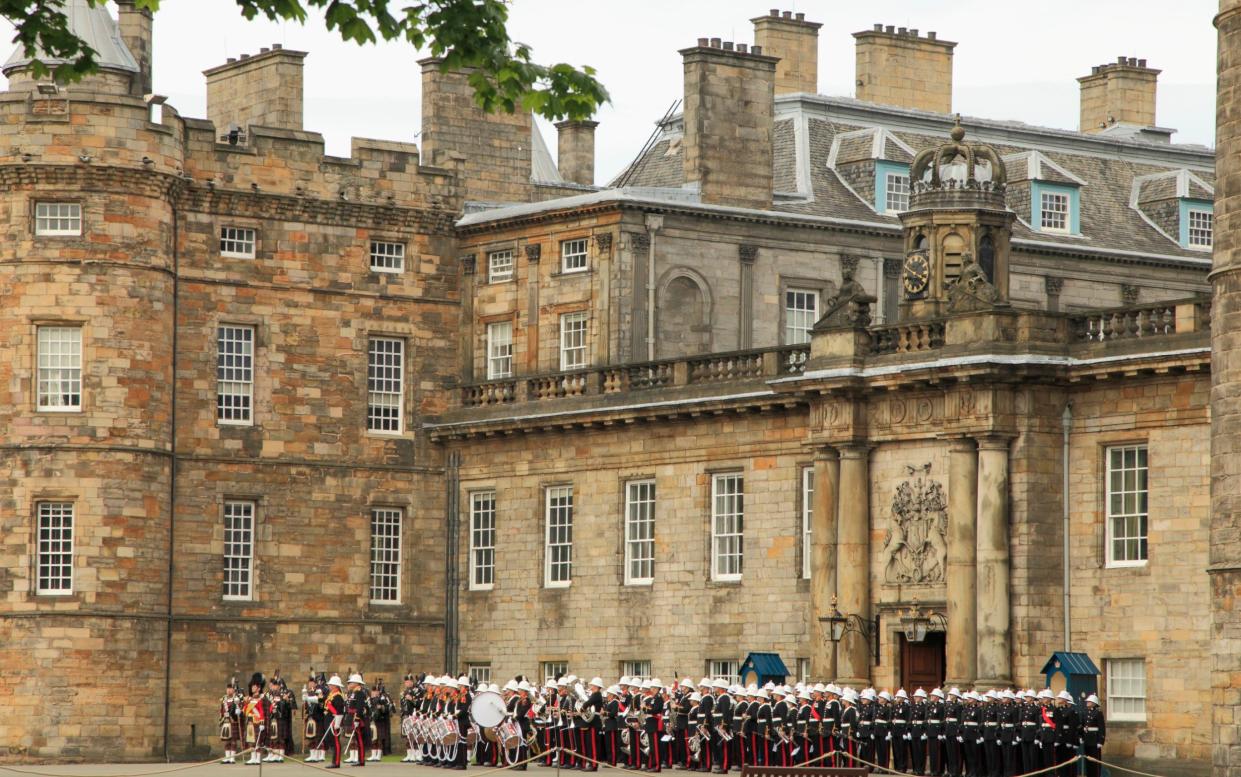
[(1197, 223), (1055, 208), (891, 187)]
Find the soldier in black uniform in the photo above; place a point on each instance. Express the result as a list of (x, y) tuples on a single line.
[(760, 732), (917, 732), (381, 716), (1068, 734), (653, 707), (409, 704), (460, 711), (359, 711), (935, 713), (1009, 749), (866, 725), (902, 710), (610, 746), (849, 723), (1028, 718), (1094, 733), (706, 710), (588, 733), (313, 694), (953, 709), (801, 728), (971, 735), (991, 735), (721, 719), (1046, 730), (678, 716), (741, 713), (883, 729)]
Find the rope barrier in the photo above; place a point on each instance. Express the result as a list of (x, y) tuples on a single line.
[(179, 768), (1121, 768)]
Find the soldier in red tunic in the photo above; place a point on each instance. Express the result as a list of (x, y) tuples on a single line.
[(256, 711)]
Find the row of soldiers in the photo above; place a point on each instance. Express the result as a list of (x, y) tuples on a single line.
[(261, 719), (716, 726)]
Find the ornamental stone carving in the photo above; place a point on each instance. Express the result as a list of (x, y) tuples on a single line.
[(915, 550)]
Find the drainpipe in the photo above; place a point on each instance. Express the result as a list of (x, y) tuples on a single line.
[(654, 223), (1066, 424), (452, 563), (172, 474)]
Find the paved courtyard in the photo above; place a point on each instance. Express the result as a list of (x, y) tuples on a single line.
[(386, 768)]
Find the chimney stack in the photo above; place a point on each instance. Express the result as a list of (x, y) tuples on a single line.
[(796, 42), (263, 90), (729, 97), (1122, 92), (904, 69), (134, 24), (576, 156)]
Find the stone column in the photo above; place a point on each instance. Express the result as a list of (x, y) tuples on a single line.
[(745, 334), (994, 637), (1225, 537), (962, 577), (823, 561), (853, 561)]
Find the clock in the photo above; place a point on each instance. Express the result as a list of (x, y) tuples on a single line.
[(917, 274)]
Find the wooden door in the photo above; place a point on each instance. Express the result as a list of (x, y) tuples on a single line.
[(923, 663)]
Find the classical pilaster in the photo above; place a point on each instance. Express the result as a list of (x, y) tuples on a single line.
[(467, 333), (853, 561), (745, 335), (994, 635), (533, 253), (962, 574), (823, 560)]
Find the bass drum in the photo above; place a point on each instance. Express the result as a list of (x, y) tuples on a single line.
[(488, 709)]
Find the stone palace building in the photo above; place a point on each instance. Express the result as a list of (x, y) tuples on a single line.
[(459, 407)]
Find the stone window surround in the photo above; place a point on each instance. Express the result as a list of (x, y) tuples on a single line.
[(544, 509), (237, 222), (261, 366), (1104, 445), (824, 286), (217, 544), (469, 528), (52, 495), (402, 538), (805, 482), (71, 199), (387, 240), (1126, 718), (1072, 215), (569, 309), (626, 483), (254, 348), (35, 324), (1186, 206), (254, 535), (405, 419), (1101, 443), (487, 250), (568, 237), (480, 370), (712, 473)]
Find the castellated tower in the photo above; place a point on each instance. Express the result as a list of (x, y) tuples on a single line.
[(198, 457), (1225, 544), (87, 189)]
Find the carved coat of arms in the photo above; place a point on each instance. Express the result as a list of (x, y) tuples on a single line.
[(916, 547)]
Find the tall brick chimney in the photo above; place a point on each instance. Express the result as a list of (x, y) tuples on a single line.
[(729, 96), (263, 90), (899, 67), (576, 153), (496, 148), (796, 42), (1122, 92), (134, 24)]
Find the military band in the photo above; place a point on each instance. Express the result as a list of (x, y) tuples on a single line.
[(712, 726)]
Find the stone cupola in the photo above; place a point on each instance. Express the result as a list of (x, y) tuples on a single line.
[(957, 230)]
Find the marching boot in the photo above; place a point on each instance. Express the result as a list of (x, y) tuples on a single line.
[(254, 758)]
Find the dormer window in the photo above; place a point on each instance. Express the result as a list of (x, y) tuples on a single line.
[(1055, 208), (1197, 224), (891, 187)]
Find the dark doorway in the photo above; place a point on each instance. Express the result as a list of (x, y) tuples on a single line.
[(923, 663)]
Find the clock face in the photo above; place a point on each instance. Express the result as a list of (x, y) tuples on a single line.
[(917, 274)]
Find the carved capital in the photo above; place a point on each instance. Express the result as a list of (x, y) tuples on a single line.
[(1129, 293), (467, 264), (603, 242), (748, 253), (533, 252), (1053, 285), (892, 268), (640, 241), (848, 264)]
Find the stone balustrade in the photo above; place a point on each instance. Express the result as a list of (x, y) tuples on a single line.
[(1092, 330)]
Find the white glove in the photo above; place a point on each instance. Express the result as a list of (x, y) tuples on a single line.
[(959, 739), (924, 737)]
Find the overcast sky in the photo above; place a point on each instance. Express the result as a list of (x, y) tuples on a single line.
[(1014, 60)]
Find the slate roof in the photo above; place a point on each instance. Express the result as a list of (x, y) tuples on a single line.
[(1071, 663), (94, 25), (1104, 168)]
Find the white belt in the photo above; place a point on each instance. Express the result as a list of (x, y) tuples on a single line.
[(1095, 728)]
